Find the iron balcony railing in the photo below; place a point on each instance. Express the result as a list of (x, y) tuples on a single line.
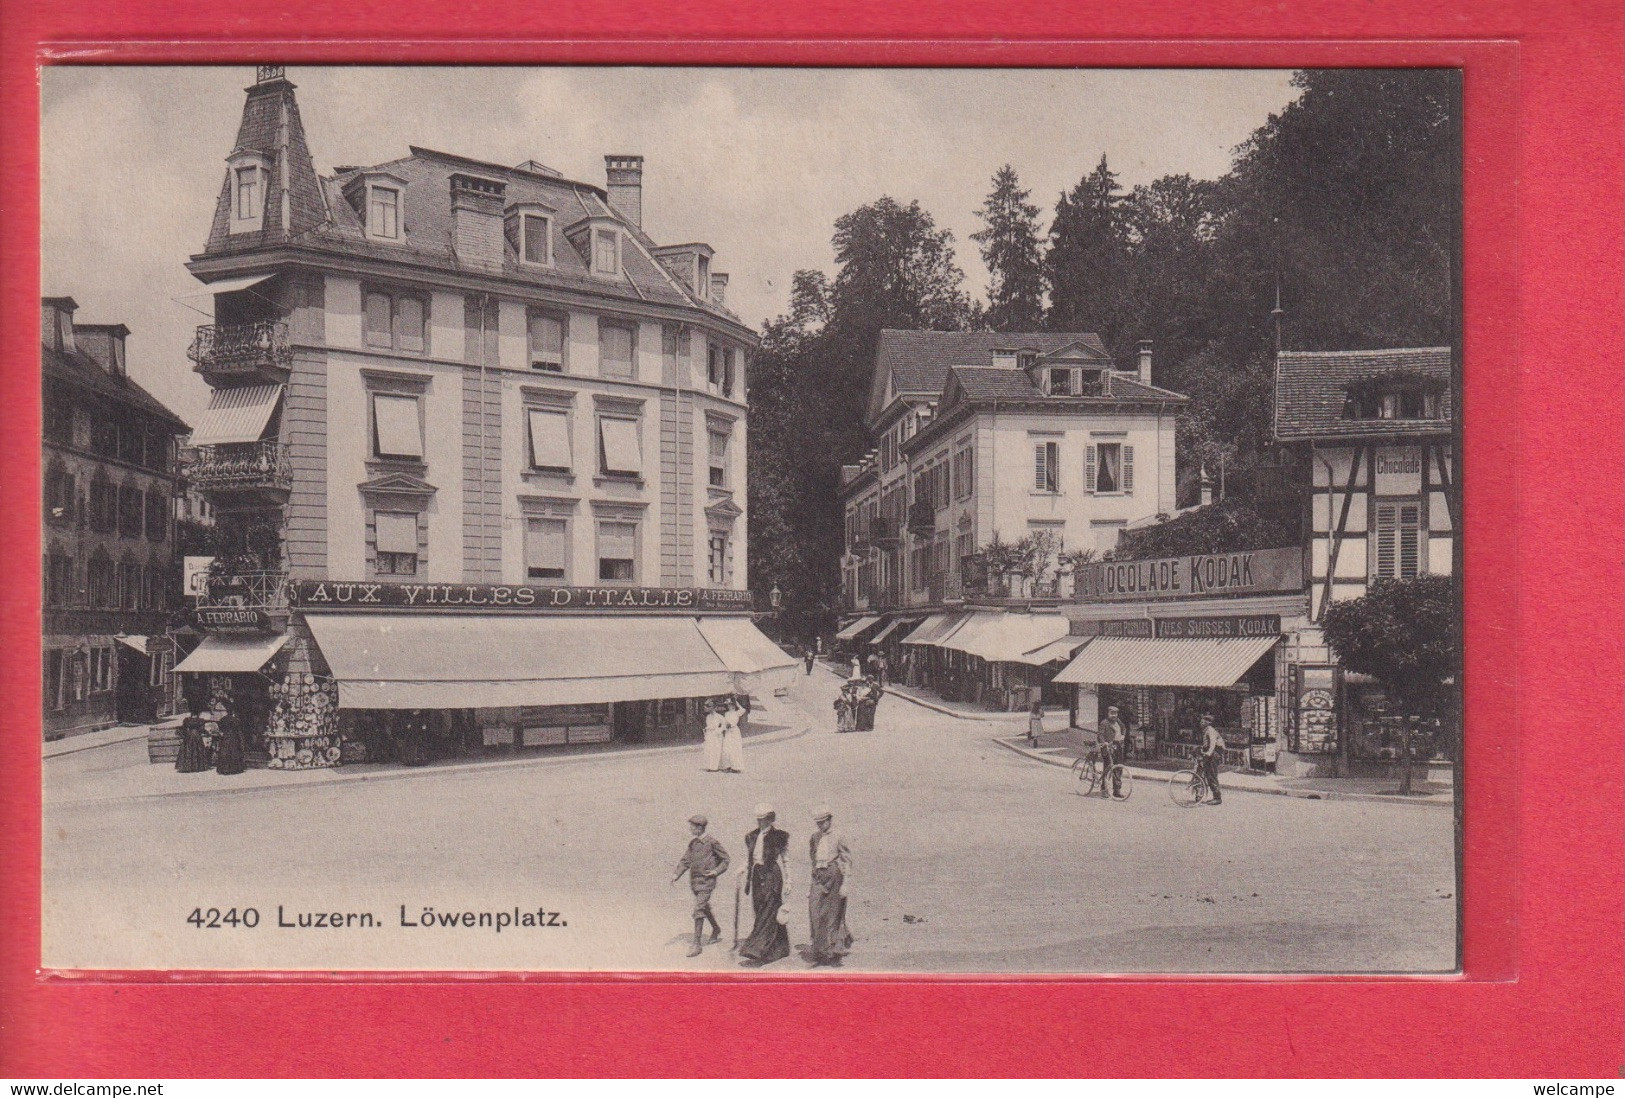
[(241, 466), (247, 590), (241, 348)]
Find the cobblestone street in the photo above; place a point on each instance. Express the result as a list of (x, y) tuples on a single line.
[(967, 858)]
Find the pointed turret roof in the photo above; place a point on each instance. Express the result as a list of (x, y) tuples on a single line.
[(271, 127)]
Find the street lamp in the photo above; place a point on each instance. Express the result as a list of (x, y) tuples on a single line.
[(775, 598)]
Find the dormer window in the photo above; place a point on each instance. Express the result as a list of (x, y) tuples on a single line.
[(1383, 399), (384, 212), (702, 278), (606, 252), (536, 239), (1060, 382), (249, 180)]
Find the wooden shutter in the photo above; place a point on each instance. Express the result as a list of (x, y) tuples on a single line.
[(549, 439), (410, 315), (378, 318), (1040, 453), (544, 548), (1128, 470), (1387, 537), (615, 350), (1410, 540), (1090, 459)]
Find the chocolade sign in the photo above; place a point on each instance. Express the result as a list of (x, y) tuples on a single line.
[(1203, 575), (347, 595)]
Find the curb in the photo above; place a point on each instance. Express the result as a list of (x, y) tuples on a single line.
[(1300, 794), (74, 749), (923, 704), (404, 774)]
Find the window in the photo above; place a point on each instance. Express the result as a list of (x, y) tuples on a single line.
[(1047, 467), (1060, 382), (397, 431), (606, 251), (718, 451), (60, 492), (549, 440), (617, 552), (617, 344), (964, 473), (619, 452), (546, 545), (673, 349), (130, 443), (103, 506), (729, 355), (1398, 541), (702, 277), (397, 321), (397, 543), (717, 558), (1412, 401), (129, 512), (535, 239), (58, 413), (248, 193), (547, 338), (157, 516), (54, 679), (1108, 469), (384, 212)]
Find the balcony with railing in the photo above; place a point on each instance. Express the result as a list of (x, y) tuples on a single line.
[(922, 517), (242, 352), (246, 590), (242, 468), (883, 532), (952, 586)]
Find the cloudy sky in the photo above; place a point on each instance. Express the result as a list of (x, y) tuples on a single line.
[(757, 162)]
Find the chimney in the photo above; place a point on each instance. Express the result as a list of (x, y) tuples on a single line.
[(56, 322), (1145, 362), (476, 214), (719, 288), (625, 175), (105, 344)]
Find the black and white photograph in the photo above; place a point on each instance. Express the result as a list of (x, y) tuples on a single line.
[(764, 521)]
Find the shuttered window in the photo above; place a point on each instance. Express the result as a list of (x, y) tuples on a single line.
[(396, 432), (545, 545), (1046, 467), (619, 453), (547, 342), (617, 551), (1398, 535), (1108, 469), (549, 440), (717, 444), (379, 312), (397, 532), (615, 349), (535, 239)]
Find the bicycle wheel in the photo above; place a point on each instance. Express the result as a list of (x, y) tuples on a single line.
[(1185, 788), (1120, 782), (1085, 776)]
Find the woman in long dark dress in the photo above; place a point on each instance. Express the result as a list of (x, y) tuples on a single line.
[(228, 756), (766, 880), (194, 754), (866, 699), (414, 747)]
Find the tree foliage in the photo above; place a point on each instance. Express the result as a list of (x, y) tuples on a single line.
[(1087, 263), (1402, 633), (1010, 248), (1226, 526)]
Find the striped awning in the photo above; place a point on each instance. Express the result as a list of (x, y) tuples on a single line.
[(935, 628), (1063, 649), (224, 653), (1006, 638), (859, 626), (1185, 661), (237, 415), (893, 626), (756, 663)]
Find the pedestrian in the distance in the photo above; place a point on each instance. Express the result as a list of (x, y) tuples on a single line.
[(826, 899), (1035, 724), (733, 743), (1212, 745), (704, 861), (882, 667), (845, 710), (712, 749), (228, 754), (867, 699), (767, 879), (807, 658), (877, 690), (194, 753), (857, 670), (414, 744)]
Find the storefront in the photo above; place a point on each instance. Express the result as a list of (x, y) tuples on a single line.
[(995, 658), (412, 672), (1171, 639)]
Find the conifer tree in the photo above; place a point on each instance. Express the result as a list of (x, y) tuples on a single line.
[(1010, 248)]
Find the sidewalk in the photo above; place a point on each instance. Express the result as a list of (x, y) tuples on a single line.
[(132, 777), (1060, 749), (119, 733), (962, 710)]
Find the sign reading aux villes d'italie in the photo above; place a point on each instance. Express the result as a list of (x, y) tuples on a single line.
[(332, 595), (1204, 575)]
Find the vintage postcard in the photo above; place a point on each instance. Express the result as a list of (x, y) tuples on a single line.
[(751, 520)]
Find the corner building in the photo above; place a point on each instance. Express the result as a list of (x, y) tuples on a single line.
[(476, 447)]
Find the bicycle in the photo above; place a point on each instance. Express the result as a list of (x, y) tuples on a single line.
[(1088, 776), (1188, 788)]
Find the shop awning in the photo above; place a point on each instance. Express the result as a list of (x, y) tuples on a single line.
[(859, 626), (935, 628), (231, 285), (465, 661), (224, 654), (1185, 661), (237, 415), (1063, 649), (756, 663), (133, 640), (1006, 638), (893, 626)]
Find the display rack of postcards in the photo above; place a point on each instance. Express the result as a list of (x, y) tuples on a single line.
[(303, 730)]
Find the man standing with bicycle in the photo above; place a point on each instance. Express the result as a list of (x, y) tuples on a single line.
[(1111, 733), (1212, 745)]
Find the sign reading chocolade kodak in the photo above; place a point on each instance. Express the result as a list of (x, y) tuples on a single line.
[(331, 595), (1203, 575)]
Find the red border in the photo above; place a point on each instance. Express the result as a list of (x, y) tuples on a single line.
[(1543, 469)]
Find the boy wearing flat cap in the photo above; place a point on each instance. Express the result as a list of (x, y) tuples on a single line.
[(704, 861)]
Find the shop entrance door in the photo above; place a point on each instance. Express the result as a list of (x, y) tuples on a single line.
[(133, 699)]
